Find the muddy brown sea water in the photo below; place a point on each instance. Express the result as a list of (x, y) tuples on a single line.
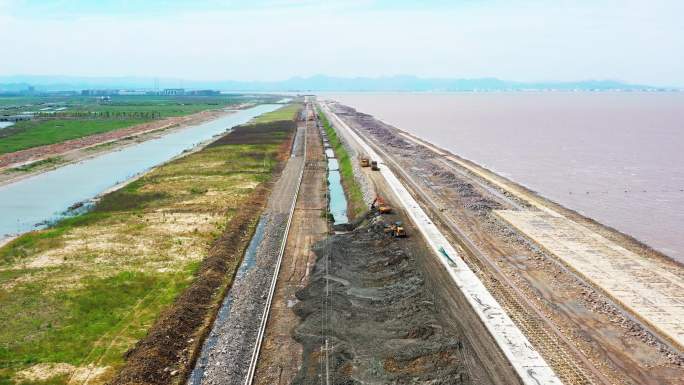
[(615, 157)]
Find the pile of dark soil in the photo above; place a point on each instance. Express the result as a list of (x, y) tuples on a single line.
[(260, 133), (382, 131), (368, 297), (168, 353)]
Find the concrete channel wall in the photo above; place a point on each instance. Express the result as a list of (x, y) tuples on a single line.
[(499, 343)]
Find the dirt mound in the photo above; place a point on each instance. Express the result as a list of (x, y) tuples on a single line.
[(379, 316)]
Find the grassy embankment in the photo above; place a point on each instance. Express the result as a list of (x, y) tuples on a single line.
[(85, 116), (351, 187), (76, 296)]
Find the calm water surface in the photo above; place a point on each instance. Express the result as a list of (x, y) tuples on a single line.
[(338, 201), (614, 157), (31, 202)]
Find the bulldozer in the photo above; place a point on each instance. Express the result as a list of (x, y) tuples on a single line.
[(374, 166), (365, 162), (396, 229), (380, 205)]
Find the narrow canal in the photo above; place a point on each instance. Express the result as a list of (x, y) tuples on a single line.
[(36, 201), (338, 201)]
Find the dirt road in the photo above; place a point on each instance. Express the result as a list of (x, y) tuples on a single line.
[(281, 355)]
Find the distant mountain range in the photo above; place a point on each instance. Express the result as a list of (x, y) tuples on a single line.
[(324, 83)]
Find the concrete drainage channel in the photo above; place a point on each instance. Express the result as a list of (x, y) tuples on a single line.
[(337, 199)]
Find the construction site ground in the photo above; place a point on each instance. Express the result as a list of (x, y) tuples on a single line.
[(374, 300), (281, 355), (579, 327), (369, 315)]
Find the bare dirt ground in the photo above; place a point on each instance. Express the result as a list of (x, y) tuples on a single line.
[(281, 356), (368, 300), (584, 335), (81, 148)]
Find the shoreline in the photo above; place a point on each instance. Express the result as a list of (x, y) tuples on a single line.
[(565, 275), (534, 198)]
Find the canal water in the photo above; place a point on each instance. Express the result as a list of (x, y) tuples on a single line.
[(338, 202), (34, 202)]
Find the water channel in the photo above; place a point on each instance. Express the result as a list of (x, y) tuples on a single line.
[(338, 201), (33, 202)]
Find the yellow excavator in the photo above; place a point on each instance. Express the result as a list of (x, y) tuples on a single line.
[(396, 229), (365, 162), (380, 205)]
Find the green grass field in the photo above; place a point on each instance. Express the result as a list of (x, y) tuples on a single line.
[(165, 107), (85, 290), (351, 187), (86, 115), (284, 113), (29, 134)]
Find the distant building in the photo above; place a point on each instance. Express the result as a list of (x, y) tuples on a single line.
[(173, 91), (99, 92), (132, 92), (203, 93)]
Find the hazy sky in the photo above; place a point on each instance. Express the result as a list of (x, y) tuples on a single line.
[(636, 41)]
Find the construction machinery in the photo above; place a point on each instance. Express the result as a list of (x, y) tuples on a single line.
[(396, 229), (365, 162), (380, 205), (374, 166)]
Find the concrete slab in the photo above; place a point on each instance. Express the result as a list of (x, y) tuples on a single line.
[(645, 287)]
